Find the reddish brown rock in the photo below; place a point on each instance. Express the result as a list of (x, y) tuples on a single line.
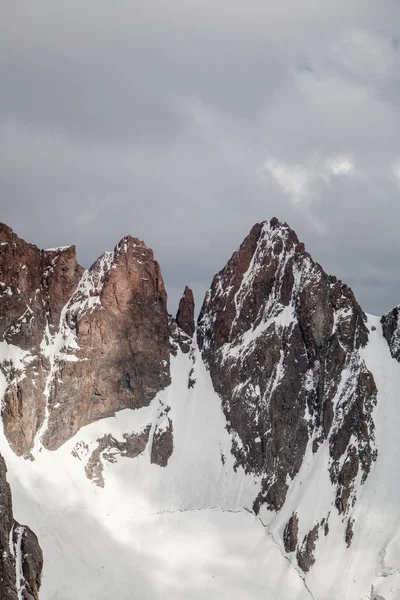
[(34, 287), (281, 340), (185, 314), (21, 294), (61, 274), (93, 341), (24, 408), (121, 330)]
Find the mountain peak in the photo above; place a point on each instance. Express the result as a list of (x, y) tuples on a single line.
[(268, 410), (274, 229), (60, 316), (6, 233), (271, 319), (185, 314), (128, 242)]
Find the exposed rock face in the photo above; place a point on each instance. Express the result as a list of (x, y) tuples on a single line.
[(7, 562), (185, 314), (155, 440), (391, 331), (182, 328), (92, 342), (349, 532), (109, 448), (118, 320), (34, 286), (306, 552), (281, 340), (163, 444), (291, 533), (178, 338), (21, 559)]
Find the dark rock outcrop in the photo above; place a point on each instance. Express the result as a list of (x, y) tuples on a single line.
[(306, 552), (391, 330), (349, 532), (156, 438), (291, 533), (185, 314), (163, 444), (281, 340), (109, 448), (21, 559), (90, 342)]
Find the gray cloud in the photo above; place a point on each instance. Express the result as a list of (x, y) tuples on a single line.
[(184, 123)]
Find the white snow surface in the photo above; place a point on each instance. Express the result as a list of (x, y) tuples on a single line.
[(186, 531), (58, 249)]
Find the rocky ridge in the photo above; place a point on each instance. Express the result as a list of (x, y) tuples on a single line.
[(93, 341), (282, 342), (21, 559), (281, 339)]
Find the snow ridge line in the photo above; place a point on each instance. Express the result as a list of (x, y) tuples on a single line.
[(167, 512)]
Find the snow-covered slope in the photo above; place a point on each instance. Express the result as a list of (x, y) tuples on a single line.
[(184, 531), (257, 460), (188, 530)]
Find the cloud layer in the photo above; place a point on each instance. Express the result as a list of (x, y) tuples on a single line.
[(184, 123)]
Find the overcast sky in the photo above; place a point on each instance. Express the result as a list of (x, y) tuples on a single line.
[(184, 123)]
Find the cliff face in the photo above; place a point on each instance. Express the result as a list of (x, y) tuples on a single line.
[(282, 342), (21, 559), (93, 341), (391, 330)]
